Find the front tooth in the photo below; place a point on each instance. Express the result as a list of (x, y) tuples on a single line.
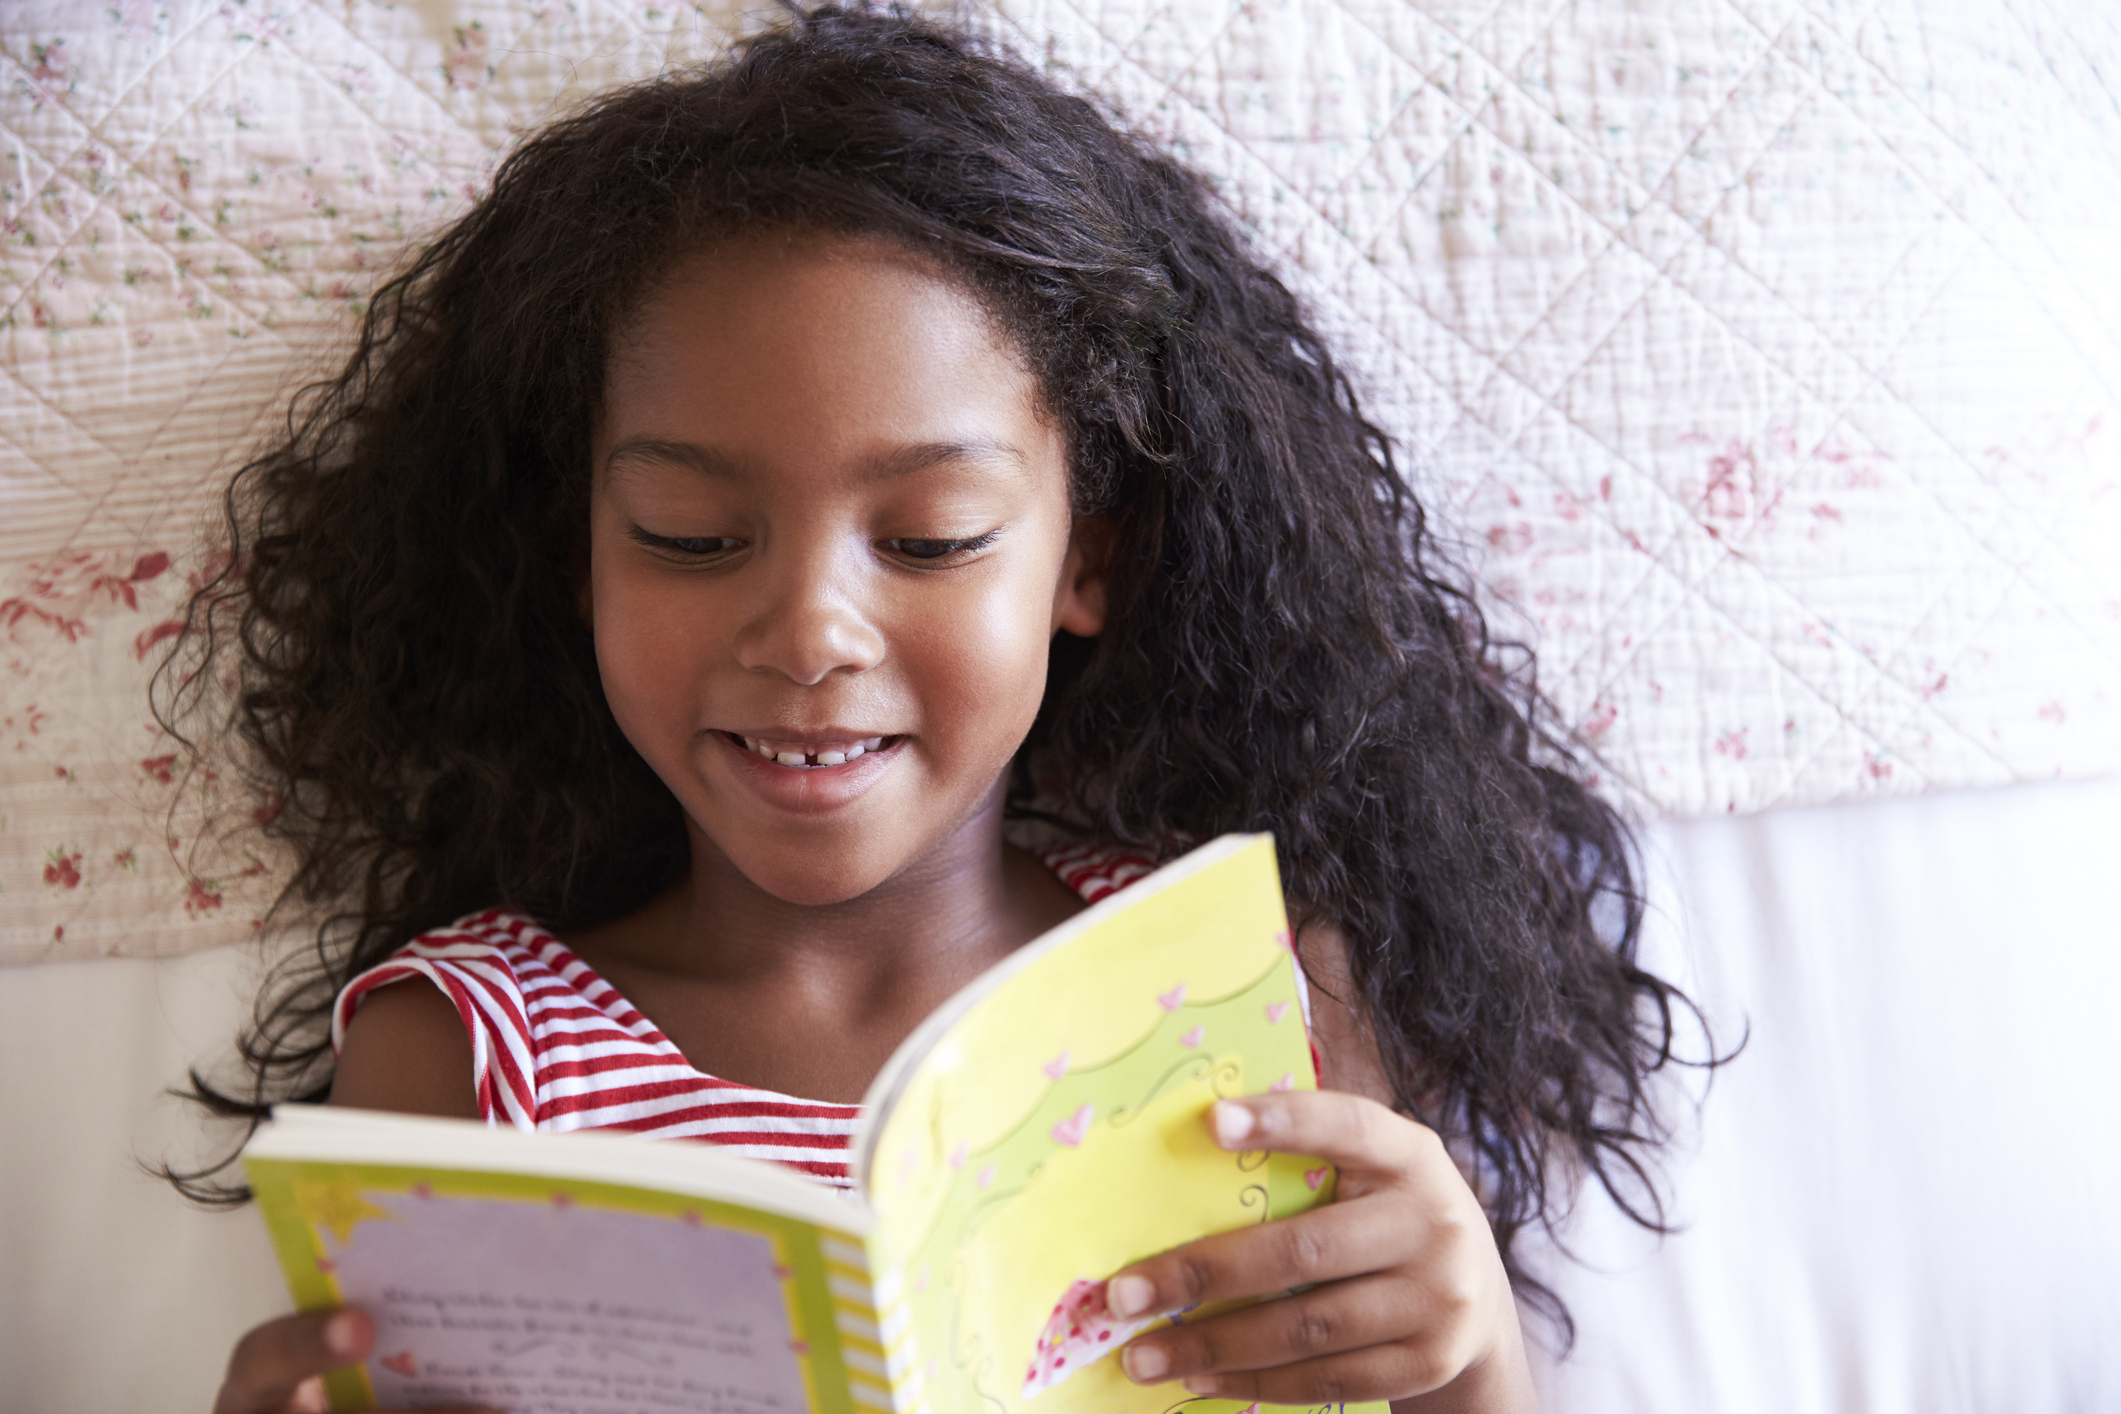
[(764, 750), (790, 758), (832, 758), (853, 751), (872, 743)]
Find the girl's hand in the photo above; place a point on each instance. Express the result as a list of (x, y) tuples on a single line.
[(278, 1368), (1408, 1295)]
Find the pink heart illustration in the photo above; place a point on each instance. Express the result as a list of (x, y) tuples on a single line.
[(1170, 1000), (1287, 1082), (326, 1264), (958, 1156), (401, 1363), (985, 1176), (782, 1271), (1249, 1409), (1070, 1131), (1057, 1067), (1314, 1177), (1288, 944), (690, 1218), (1276, 1011), (1193, 1037)]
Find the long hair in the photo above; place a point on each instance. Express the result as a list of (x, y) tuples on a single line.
[(1284, 650)]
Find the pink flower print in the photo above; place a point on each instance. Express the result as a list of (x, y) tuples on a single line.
[(1603, 715), (63, 869), (51, 68), (145, 642), (2054, 712), (465, 66), (63, 593), (202, 896), (1732, 476), (160, 769), (1511, 539), (1732, 743), (1081, 1331)]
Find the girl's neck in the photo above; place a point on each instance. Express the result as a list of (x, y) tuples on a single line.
[(915, 938)]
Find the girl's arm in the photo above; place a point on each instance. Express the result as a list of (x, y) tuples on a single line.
[(1409, 1301), (405, 1050)]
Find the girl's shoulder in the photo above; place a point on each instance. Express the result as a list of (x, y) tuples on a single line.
[(495, 953), (509, 977)]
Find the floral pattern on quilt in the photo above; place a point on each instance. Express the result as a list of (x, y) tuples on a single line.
[(1764, 356)]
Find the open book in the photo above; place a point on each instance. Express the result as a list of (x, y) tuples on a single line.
[(1043, 1129)]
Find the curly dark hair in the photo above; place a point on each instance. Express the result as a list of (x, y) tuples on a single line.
[(1285, 649)]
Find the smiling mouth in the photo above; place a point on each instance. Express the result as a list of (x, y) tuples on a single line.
[(800, 757)]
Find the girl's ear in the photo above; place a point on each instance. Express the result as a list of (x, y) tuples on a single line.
[(1079, 602)]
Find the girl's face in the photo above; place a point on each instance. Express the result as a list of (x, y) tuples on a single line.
[(830, 543)]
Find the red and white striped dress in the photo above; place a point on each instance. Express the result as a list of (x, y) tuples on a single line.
[(555, 1047)]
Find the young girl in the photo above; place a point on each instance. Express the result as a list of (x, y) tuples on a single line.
[(794, 479)]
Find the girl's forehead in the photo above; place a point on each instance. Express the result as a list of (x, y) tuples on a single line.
[(803, 272), (793, 345)]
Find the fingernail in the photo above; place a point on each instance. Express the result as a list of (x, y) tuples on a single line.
[(1144, 1363), (342, 1335), (1129, 1296), (1199, 1384), (1233, 1123)]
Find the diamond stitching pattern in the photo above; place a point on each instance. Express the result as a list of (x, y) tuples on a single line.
[(1768, 364)]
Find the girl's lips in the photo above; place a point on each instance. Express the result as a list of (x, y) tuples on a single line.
[(814, 785)]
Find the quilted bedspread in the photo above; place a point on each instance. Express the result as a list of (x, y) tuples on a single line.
[(1761, 355)]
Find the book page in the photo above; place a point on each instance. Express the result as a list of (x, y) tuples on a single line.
[(1057, 1132), (544, 1295)]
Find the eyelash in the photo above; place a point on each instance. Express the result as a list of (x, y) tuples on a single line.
[(698, 546), (950, 549), (692, 545)]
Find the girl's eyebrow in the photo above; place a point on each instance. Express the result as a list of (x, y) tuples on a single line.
[(903, 461)]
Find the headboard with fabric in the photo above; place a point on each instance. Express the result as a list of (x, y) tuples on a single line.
[(1764, 356)]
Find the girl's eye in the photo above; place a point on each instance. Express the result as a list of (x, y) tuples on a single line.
[(931, 550), (695, 545)]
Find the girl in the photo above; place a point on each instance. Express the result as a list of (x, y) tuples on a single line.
[(791, 483)]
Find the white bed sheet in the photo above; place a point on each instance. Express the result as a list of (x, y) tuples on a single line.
[(1901, 1200)]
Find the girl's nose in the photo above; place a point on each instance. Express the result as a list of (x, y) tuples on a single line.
[(807, 626)]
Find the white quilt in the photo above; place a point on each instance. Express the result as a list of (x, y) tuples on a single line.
[(1762, 353)]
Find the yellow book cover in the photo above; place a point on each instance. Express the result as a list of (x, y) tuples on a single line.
[(1043, 1129)]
